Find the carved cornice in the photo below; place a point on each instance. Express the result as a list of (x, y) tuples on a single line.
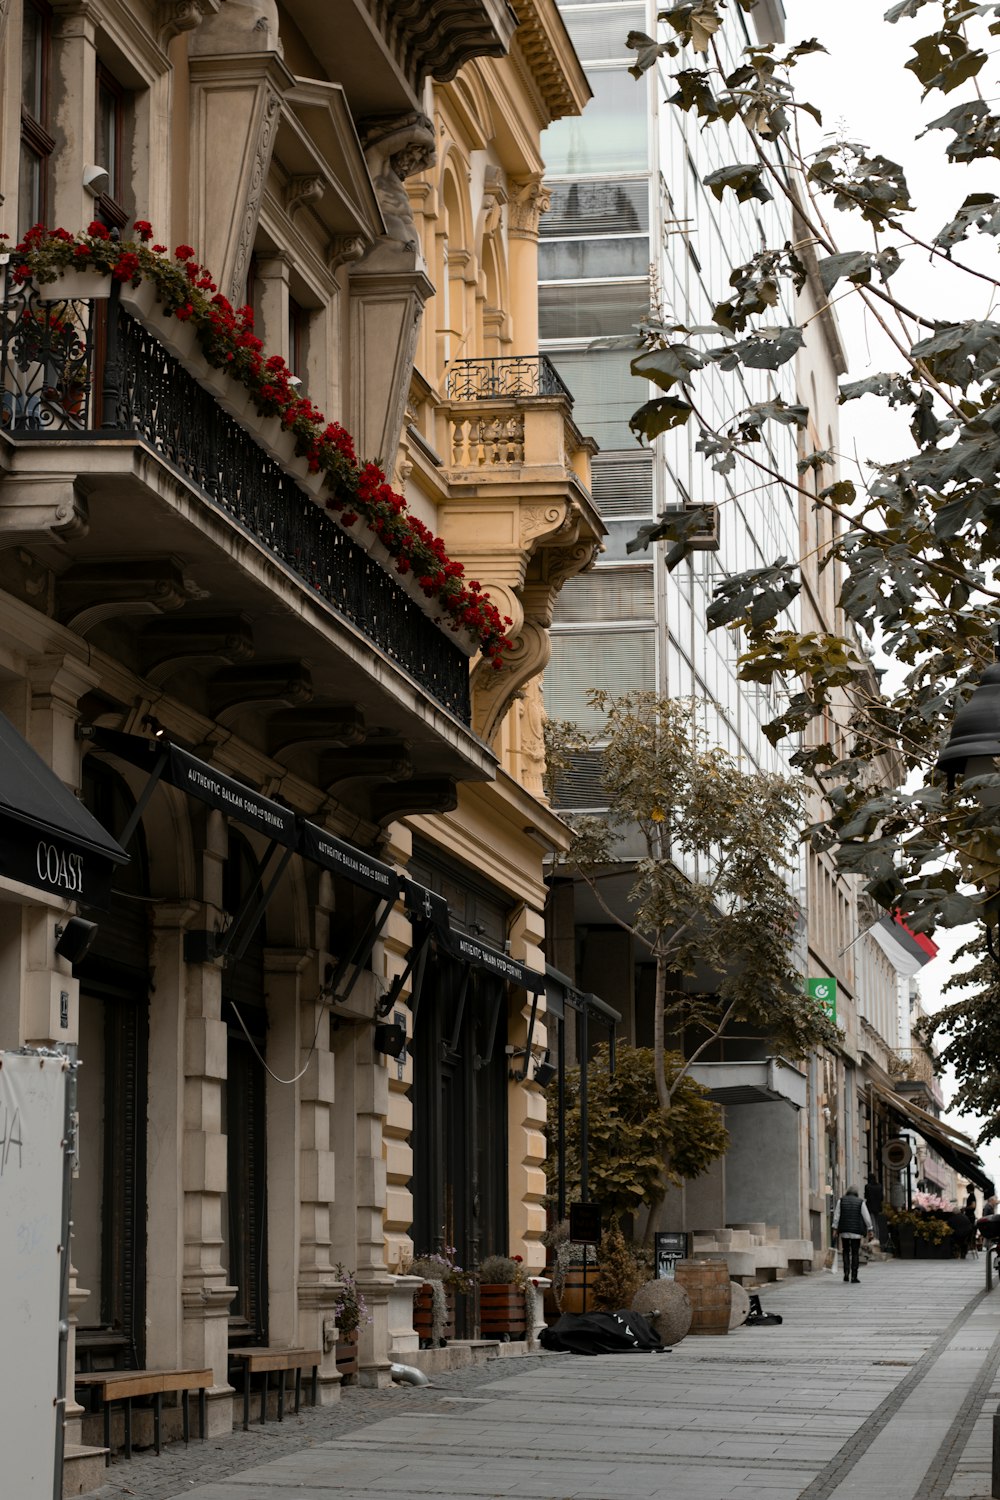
[(550, 66), (434, 38)]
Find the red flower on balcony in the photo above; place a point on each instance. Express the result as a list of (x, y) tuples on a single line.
[(187, 292)]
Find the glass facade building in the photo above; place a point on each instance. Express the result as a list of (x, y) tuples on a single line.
[(632, 227)]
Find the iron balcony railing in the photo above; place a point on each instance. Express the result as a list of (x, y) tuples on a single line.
[(71, 372), (517, 376)]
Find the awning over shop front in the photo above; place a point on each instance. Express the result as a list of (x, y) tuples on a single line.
[(951, 1145), (433, 913), (48, 839)]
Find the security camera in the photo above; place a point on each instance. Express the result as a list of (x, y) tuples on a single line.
[(96, 180)]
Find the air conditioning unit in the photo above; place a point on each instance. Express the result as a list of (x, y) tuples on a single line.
[(704, 535), (897, 1154)]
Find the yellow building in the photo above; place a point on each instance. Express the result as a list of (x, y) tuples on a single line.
[(333, 829)]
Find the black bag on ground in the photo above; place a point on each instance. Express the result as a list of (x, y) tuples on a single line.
[(757, 1317), (601, 1333)]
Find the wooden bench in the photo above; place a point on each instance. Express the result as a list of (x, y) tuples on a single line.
[(265, 1361), (110, 1386)]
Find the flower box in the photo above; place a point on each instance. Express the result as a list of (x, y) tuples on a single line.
[(74, 286), (347, 1357), (423, 1316), (502, 1312)]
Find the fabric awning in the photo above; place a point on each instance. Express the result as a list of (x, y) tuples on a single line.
[(164, 761), (48, 839), (951, 1145), (434, 910)]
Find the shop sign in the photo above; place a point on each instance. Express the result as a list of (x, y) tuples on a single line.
[(824, 992), (47, 862)]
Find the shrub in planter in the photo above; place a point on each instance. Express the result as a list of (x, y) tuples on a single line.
[(503, 1294)]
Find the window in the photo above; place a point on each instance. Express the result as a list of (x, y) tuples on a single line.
[(605, 392), (591, 309), (298, 333), (581, 260), (36, 143), (619, 661), (109, 139), (612, 134), (594, 208)]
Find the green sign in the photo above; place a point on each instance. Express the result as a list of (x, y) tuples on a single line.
[(824, 992)]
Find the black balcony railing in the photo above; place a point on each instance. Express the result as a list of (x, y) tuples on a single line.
[(516, 376), (62, 362)]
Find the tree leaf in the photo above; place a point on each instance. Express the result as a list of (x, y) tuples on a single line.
[(659, 416)]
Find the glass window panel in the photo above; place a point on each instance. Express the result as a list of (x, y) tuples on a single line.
[(592, 310), (612, 134), (597, 208), (619, 661), (578, 260), (605, 392), (622, 485), (606, 594), (30, 207), (599, 35), (32, 75)]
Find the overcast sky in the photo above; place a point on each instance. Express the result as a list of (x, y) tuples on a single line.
[(865, 94)]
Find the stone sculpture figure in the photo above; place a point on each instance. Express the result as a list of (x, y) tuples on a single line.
[(397, 146)]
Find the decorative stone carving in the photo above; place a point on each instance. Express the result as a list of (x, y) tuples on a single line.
[(301, 191), (397, 147), (344, 248), (40, 509), (238, 26), (494, 691), (258, 175), (529, 199), (175, 16)]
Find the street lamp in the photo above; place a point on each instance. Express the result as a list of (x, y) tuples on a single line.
[(973, 749)]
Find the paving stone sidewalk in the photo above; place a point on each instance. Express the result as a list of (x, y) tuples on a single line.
[(884, 1390)]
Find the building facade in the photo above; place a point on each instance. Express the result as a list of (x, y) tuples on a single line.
[(634, 229), (328, 817)]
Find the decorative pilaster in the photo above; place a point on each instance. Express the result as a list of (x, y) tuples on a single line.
[(206, 1290), (236, 102)]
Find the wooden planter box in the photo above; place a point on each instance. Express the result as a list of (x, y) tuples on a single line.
[(347, 1357), (502, 1313), (423, 1315)]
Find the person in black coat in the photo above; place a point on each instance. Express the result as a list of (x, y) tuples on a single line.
[(851, 1222)]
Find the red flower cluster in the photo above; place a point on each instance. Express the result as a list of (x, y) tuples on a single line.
[(187, 292)]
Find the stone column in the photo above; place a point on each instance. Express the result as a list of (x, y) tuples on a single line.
[(527, 202), (285, 1044), (371, 1105), (207, 1293), (175, 1051), (271, 303), (319, 1190), (526, 1145)]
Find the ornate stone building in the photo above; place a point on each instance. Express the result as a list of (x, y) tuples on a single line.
[(334, 828)]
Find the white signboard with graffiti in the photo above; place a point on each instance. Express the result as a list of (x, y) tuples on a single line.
[(32, 1123)]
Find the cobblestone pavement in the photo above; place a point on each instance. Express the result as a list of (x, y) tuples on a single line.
[(883, 1390)]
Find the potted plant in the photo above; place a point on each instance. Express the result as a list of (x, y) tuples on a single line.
[(434, 1303), (503, 1307), (918, 1232), (351, 1314), (621, 1272)]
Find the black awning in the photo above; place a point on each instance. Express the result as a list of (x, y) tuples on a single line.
[(48, 839), (951, 1145), (425, 905), (179, 768), (343, 859)]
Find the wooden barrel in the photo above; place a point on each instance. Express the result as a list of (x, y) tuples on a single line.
[(502, 1311), (707, 1284), (572, 1297)]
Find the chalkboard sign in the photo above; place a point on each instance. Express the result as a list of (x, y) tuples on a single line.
[(669, 1246), (585, 1223)]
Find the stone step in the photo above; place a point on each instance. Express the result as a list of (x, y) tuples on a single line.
[(84, 1469)]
